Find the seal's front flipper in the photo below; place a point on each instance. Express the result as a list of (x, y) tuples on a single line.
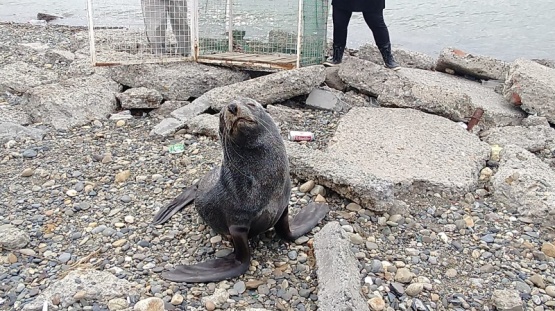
[(220, 269), (166, 212), (303, 222)]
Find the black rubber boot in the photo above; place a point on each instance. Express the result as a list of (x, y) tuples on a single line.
[(388, 57), (337, 56)]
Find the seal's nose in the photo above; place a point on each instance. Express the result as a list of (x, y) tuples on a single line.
[(232, 108)]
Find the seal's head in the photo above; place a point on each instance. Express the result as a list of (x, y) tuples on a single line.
[(245, 122)]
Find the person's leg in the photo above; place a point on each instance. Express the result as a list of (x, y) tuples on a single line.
[(154, 13), (376, 23), (177, 10), (341, 20)]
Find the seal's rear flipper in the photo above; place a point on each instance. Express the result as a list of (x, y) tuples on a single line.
[(166, 212), (215, 270), (303, 222)]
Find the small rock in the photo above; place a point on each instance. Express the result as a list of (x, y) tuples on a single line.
[(27, 172), (71, 193), (451, 273), (123, 176), (318, 190), (414, 289), (177, 299), (210, 306), (253, 284), (12, 237), (550, 290), (129, 219), (240, 287), (80, 295), (117, 304), (403, 275), (537, 280), (376, 304), (150, 304), (320, 199), (12, 258), (548, 249), (307, 186), (353, 207), (507, 300), (120, 123)]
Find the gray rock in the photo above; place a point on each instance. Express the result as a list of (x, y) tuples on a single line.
[(535, 121), (18, 77), (140, 98), (189, 111), (14, 114), (327, 99), (72, 102), (532, 138), (333, 80), (177, 81), (405, 58), (507, 300), (338, 274), (204, 124), (268, 89), (525, 183), (434, 92), (478, 66), (10, 131), (532, 86), (59, 56), (346, 179), (166, 108), (545, 62), (167, 127), (150, 304), (13, 238), (283, 114), (413, 150), (100, 286)]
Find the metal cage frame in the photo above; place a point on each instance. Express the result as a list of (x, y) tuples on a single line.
[(264, 61)]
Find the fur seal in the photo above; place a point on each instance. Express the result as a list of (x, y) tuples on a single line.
[(247, 195)]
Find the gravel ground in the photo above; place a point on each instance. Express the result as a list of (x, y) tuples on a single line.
[(90, 193)]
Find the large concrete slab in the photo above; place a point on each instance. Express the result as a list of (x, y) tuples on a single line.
[(176, 81), (268, 89), (434, 92), (531, 138), (337, 270), (412, 150), (405, 58), (532, 86), (346, 179), (478, 66), (525, 184)]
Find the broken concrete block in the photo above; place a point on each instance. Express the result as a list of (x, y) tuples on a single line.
[(59, 56), (412, 150), (337, 270), (268, 89), (535, 121), (546, 62), (283, 115), (478, 66), (166, 108), (10, 131), (333, 80), (14, 114), (189, 111), (19, 77), (532, 87), (72, 102), (531, 138), (167, 127), (204, 124), (176, 81), (405, 58), (140, 98), (524, 183), (327, 99), (434, 92), (346, 179)]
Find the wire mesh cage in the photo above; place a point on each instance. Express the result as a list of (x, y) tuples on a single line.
[(268, 34)]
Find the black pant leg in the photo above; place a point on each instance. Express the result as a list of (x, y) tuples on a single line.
[(376, 23), (341, 20)]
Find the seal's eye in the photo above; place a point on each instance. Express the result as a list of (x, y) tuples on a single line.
[(251, 104)]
